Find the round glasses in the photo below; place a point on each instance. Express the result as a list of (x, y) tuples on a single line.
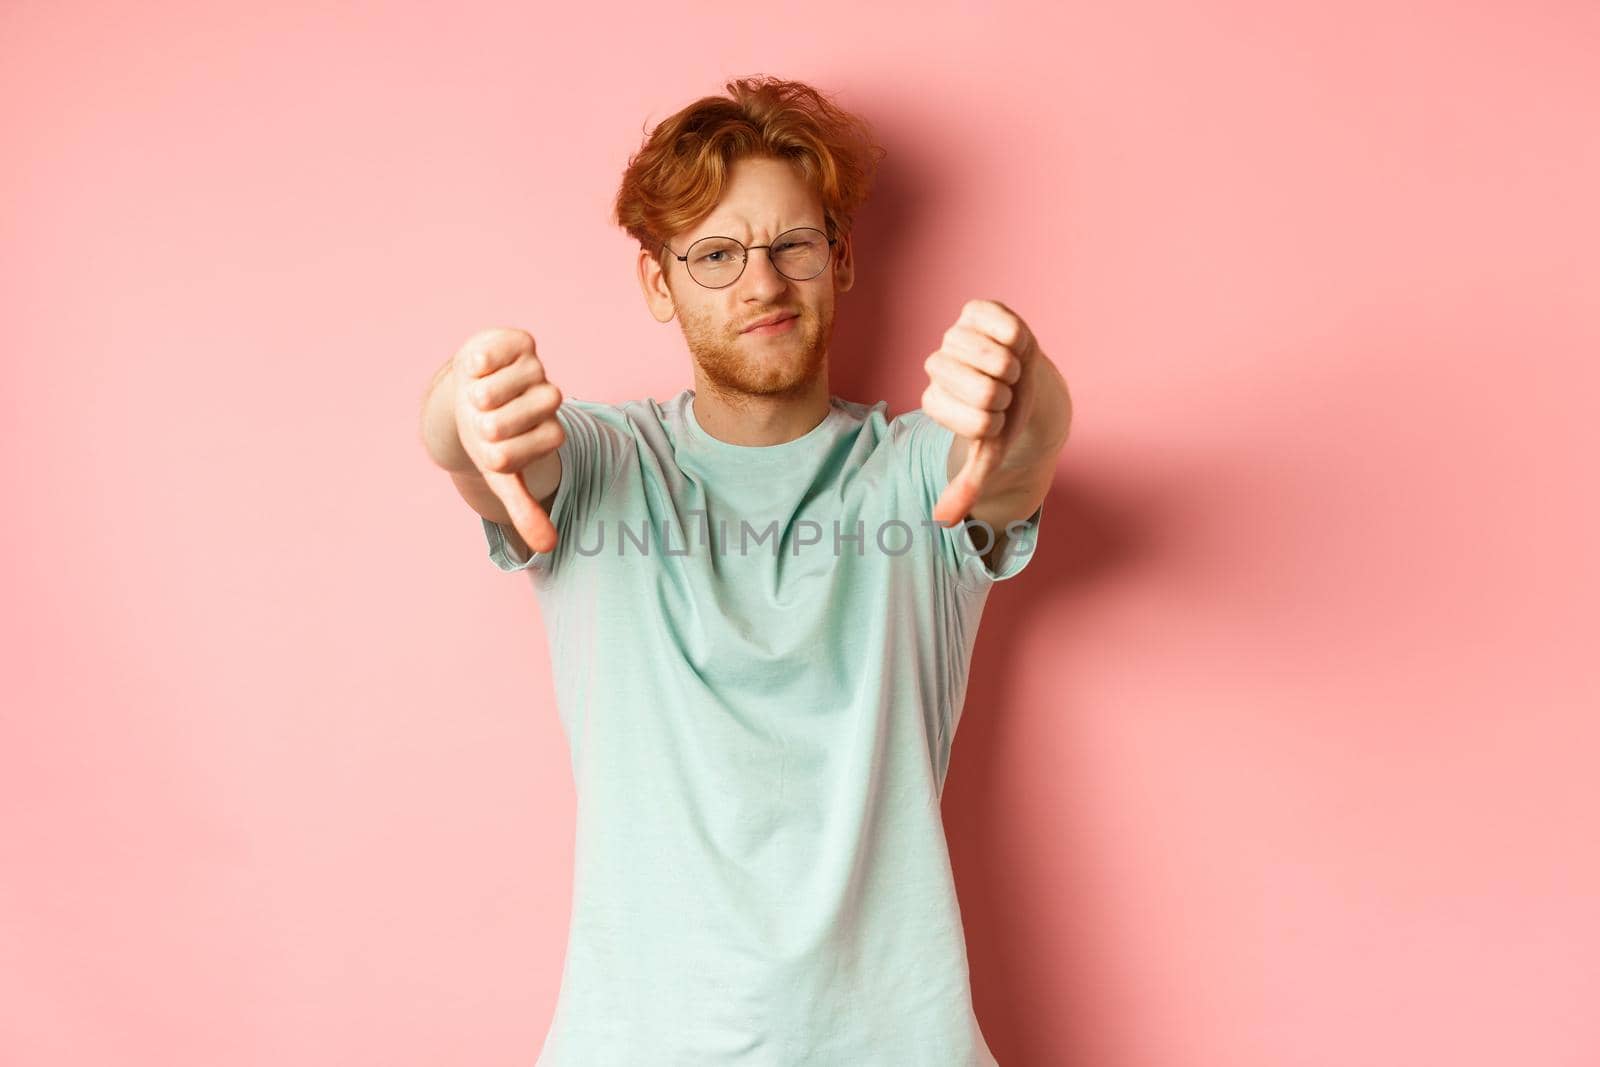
[(717, 262)]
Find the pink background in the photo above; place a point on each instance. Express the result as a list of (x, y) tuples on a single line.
[(1281, 753)]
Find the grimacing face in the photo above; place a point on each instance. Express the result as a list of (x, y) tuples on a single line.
[(763, 198)]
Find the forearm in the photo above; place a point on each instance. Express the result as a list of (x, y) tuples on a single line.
[(438, 430)]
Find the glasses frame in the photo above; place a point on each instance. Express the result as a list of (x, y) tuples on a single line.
[(684, 259)]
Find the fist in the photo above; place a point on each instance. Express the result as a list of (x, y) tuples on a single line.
[(505, 411), (980, 388)]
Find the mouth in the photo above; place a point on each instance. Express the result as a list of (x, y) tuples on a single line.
[(771, 327)]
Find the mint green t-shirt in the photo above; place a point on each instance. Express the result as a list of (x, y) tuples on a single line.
[(760, 655)]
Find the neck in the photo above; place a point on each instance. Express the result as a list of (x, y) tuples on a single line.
[(760, 420)]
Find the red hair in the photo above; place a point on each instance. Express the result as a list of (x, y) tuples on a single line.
[(677, 176)]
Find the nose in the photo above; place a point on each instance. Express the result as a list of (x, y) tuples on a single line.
[(761, 280)]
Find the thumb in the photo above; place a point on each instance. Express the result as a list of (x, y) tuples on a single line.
[(527, 516), (955, 503)]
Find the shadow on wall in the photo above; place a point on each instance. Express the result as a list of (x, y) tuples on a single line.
[(1086, 538), (1018, 900)]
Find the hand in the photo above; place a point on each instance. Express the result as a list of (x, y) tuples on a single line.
[(980, 388), (506, 418)]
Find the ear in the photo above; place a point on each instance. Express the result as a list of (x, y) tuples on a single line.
[(844, 267), (655, 286)]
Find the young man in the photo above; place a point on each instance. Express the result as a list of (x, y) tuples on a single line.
[(759, 632)]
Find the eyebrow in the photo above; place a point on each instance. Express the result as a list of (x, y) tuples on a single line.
[(724, 229)]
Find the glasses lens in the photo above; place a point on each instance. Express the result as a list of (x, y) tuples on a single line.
[(716, 261), (800, 254)]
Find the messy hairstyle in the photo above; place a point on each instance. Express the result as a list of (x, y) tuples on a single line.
[(677, 176)]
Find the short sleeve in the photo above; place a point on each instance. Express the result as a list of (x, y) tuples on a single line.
[(591, 456), (927, 444)]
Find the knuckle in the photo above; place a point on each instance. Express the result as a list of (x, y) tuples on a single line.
[(489, 426), (507, 335), (488, 347)]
